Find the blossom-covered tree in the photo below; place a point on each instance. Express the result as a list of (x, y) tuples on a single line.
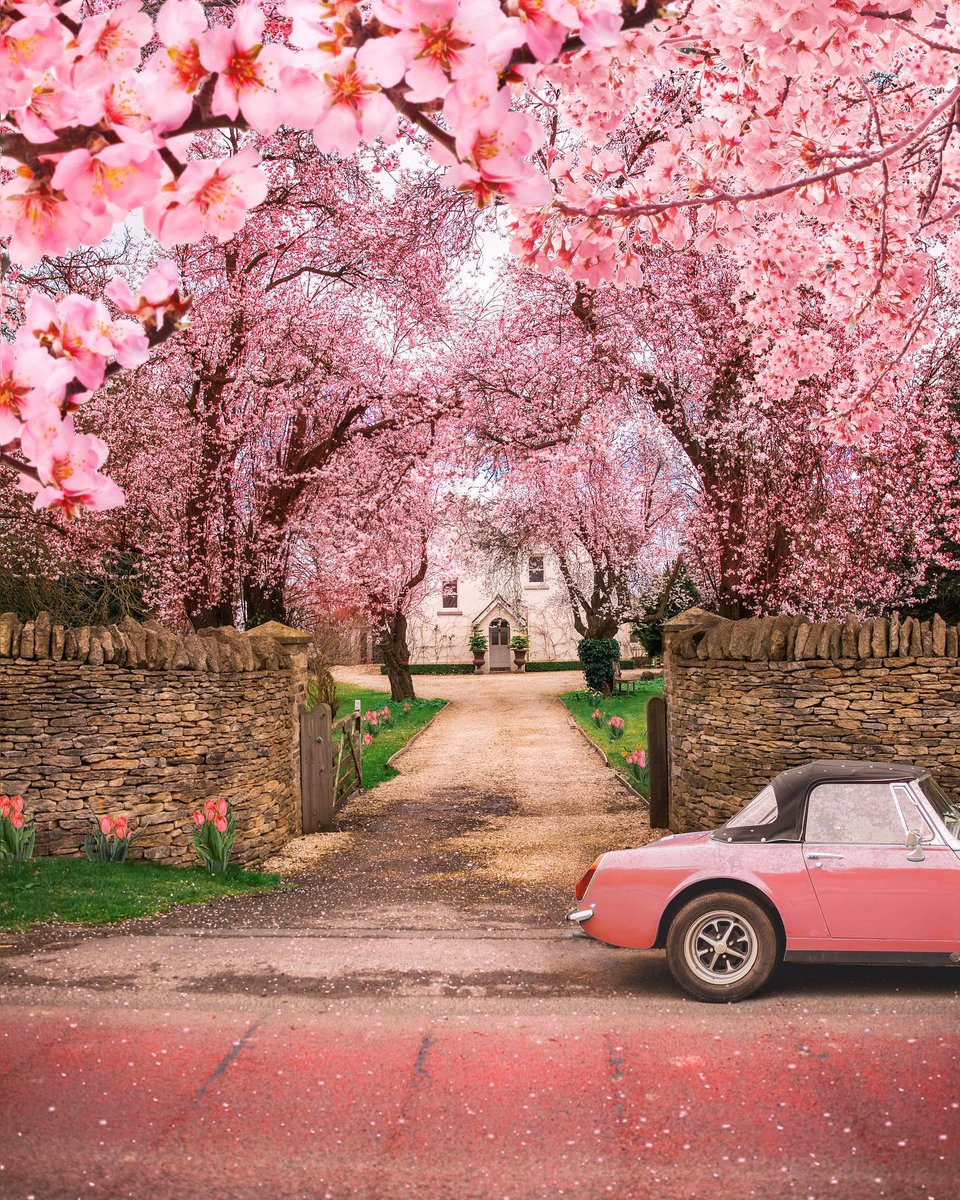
[(377, 571), (606, 506), (817, 145), (300, 355)]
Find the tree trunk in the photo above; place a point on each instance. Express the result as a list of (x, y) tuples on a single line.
[(263, 602), (209, 616), (396, 656)]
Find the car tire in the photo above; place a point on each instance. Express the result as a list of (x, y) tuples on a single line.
[(722, 947)]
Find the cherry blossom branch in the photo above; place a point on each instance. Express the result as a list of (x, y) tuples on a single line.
[(627, 210)]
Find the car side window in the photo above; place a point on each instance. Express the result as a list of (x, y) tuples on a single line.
[(864, 813)]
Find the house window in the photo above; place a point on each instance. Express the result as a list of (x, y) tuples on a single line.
[(449, 593), (535, 568)]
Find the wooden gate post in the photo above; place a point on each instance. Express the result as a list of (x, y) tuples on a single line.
[(316, 775), (659, 767)]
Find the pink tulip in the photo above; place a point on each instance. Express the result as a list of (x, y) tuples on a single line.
[(16, 820), (17, 802), (221, 824), (106, 825), (199, 818), (368, 739), (222, 808), (642, 758)]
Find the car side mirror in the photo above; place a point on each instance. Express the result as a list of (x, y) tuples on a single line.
[(914, 842)]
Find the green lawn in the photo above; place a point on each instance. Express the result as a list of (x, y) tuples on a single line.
[(633, 711), (73, 889), (387, 741)]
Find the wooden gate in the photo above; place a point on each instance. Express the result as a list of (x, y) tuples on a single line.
[(658, 762), (331, 764)]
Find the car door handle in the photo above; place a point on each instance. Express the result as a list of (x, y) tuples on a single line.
[(818, 855)]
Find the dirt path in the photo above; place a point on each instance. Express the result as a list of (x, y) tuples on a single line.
[(500, 804)]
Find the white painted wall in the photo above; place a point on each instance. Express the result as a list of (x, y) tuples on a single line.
[(441, 635)]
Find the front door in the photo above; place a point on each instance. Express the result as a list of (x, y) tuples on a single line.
[(499, 645)]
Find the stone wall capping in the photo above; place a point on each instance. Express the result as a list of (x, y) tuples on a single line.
[(786, 639), (150, 646)]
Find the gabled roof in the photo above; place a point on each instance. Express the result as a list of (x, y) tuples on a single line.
[(499, 602)]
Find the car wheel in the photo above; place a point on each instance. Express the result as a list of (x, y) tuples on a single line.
[(722, 947)]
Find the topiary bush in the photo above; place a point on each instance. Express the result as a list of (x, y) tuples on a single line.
[(598, 656)]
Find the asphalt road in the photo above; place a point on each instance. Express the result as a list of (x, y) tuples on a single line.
[(447, 1060)]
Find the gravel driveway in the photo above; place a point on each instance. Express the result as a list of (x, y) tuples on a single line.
[(499, 806)]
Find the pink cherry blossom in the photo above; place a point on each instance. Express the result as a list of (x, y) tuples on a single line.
[(159, 295), (247, 71), (109, 42), (68, 466), (32, 384), (209, 197), (121, 176)]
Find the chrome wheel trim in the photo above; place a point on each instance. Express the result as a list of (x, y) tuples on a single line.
[(721, 947)]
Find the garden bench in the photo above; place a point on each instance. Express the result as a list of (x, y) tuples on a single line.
[(629, 681)]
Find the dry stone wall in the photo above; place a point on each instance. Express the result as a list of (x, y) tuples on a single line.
[(748, 699), (134, 719)]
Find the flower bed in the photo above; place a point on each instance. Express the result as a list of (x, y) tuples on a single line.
[(383, 737), (618, 725)]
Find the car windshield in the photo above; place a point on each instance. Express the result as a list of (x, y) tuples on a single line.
[(945, 808), (761, 810)]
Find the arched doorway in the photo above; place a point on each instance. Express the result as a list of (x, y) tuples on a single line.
[(499, 638)]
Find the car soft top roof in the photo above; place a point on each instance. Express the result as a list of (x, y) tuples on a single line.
[(794, 786)]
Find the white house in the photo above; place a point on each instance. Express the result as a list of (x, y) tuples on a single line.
[(528, 598)]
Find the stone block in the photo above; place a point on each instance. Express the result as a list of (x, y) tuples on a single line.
[(82, 635), (778, 639), (42, 629), (27, 640), (741, 638), (939, 635), (880, 638), (952, 647), (811, 648), (717, 642), (95, 655), (830, 640), (57, 642), (9, 631), (849, 636), (895, 634), (196, 652), (926, 639), (865, 640)]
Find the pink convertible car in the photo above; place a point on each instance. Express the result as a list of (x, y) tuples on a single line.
[(833, 862)]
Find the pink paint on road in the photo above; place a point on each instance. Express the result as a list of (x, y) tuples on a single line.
[(125, 1105)]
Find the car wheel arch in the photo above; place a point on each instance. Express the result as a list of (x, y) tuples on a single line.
[(703, 887)]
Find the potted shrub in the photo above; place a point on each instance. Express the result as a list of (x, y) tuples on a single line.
[(519, 644), (478, 646)]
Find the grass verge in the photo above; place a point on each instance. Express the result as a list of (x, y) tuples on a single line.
[(73, 889), (387, 741), (631, 709)]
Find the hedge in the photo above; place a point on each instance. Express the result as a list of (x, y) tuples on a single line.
[(571, 665), (437, 669)]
